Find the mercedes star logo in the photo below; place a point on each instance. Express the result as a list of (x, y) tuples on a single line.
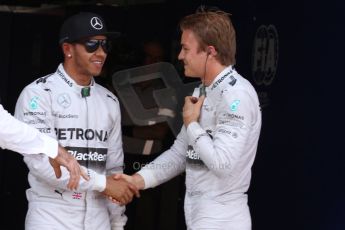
[(96, 23), (64, 100)]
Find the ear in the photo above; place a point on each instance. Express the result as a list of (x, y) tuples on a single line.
[(211, 51), (67, 49)]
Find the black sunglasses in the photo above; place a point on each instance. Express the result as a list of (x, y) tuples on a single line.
[(93, 44)]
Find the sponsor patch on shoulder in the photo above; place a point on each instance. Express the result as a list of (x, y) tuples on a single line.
[(33, 104), (234, 105)]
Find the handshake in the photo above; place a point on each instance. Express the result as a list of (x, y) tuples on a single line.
[(120, 188)]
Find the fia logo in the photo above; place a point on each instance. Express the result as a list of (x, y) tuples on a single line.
[(265, 55)]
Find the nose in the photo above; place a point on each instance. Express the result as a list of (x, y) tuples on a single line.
[(180, 56), (100, 51)]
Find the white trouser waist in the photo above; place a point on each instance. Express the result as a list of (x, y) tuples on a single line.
[(49, 194)]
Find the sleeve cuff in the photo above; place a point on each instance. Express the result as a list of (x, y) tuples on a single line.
[(50, 146), (194, 131), (149, 179), (100, 182)]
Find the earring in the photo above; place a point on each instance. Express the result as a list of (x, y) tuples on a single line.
[(69, 55)]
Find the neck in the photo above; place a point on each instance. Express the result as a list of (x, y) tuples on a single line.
[(213, 69), (80, 79)]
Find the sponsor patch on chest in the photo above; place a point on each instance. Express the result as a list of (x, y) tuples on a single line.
[(193, 157)]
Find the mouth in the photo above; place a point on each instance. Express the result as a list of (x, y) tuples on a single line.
[(97, 63)]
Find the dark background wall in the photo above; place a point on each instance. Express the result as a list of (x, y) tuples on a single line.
[(323, 155), (298, 175)]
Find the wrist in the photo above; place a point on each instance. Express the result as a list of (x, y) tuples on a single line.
[(138, 181), (188, 121)]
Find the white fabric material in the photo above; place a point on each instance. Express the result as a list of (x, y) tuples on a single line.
[(217, 154), (22, 138), (100, 183), (206, 213), (117, 217), (70, 217), (90, 128)]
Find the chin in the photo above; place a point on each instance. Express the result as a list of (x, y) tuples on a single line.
[(190, 75), (95, 74), (187, 73)]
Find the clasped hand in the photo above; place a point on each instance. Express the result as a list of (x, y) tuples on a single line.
[(191, 109), (120, 190)]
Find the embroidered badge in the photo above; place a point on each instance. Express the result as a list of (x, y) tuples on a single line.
[(234, 105), (33, 103)]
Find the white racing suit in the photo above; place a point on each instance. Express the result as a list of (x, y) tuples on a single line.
[(22, 138), (217, 154), (90, 128)]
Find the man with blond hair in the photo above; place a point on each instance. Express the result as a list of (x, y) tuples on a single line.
[(217, 144)]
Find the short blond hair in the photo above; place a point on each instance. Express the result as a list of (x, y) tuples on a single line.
[(213, 28)]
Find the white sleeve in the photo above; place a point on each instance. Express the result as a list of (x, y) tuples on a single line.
[(22, 138), (117, 216), (168, 165), (114, 164), (115, 160)]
